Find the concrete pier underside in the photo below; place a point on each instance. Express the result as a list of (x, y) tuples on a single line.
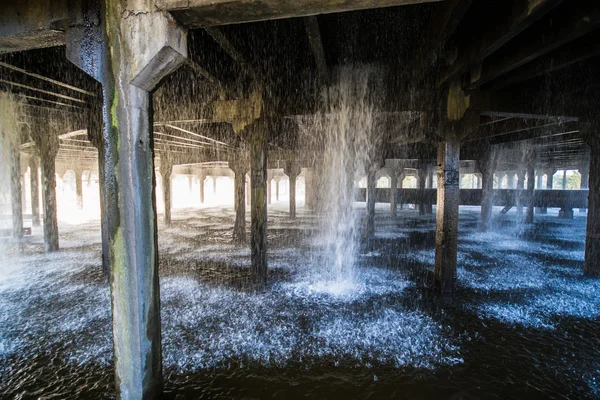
[(470, 92)]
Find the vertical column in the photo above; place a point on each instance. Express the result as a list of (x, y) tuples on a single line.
[(166, 169), (239, 166), (277, 179), (448, 200), (371, 186), (585, 175), (393, 192), (34, 189), (550, 181), (564, 180), (48, 148), (401, 177), (202, 182), (292, 170), (519, 193), (16, 195), (79, 187), (592, 243), (215, 185), (530, 192), (421, 174), (130, 50), (539, 183), (487, 167), (258, 201)]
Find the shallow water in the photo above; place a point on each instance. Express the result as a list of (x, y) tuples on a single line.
[(524, 323)]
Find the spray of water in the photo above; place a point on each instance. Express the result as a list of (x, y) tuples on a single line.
[(346, 129)]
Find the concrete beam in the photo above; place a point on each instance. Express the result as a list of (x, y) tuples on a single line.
[(206, 13)]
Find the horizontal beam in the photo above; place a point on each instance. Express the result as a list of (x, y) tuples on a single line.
[(207, 13), (502, 28)]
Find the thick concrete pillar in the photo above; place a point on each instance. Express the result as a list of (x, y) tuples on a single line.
[(371, 186), (550, 181), (310, 189), (214, 179), (530, 193), (519, 195), (292, 170), (258, 201), (487, 166), (510, 180), (585, 175), (202, 181), (592, 243), (401, 177), (539, 183), (16, 194), (130, 49), (239, 166), (564, 180), (48, 148), (166, 169), (393, 192), (448, 200), (79, 187), (34, 184)]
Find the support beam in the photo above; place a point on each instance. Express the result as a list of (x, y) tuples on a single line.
[(530, 190), (487, 165), (131, 49), (592, 244), (258, 201), (316, 45), (370, 220), (292, 170), (34, 184), (16, 197), (448, 200), (393, 192), (239, 165), (79, 187), (166, 169), (516, 17), (47, 143)]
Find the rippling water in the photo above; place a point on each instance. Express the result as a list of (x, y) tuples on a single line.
[(524, 323)]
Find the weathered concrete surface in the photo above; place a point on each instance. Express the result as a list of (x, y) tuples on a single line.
[(258, 201), (448, 199), (205, 13), (592, 243), (16, 197), (34, 184), (487, 166), (292, 170), (130, 49), (48, 148), (166, 169), (239, 165)]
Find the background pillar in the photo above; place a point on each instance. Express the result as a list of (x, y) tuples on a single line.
[(166, 169), (592, 243), (371, 186), (393, 192), (34, 184), (239, 166), (16, 195), (258, 202), (487, 167), (292, 170), (530, 193)]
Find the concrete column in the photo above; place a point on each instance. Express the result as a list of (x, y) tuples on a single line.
[(592, 243), (214, 179), (585, 175), (510, 180), (277, 179), (519, 194), (550, 181), (79, 187), (448, 200), (530, 193), (371, 186), (564, 180), (393, 192), (268, 189), (48, 147), (130, 49), (258, 202), (16, 194), (239, 166), (292, 170), (202, 181), (539, 183), (401, 177), (421, 174), (34, 184), (166, 169), (487, 167)]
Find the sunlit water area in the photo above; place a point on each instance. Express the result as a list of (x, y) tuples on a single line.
[(524, 321)]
